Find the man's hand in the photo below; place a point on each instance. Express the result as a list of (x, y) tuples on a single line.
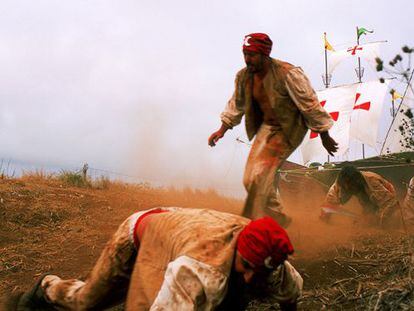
[(215, 137), (329, 143)]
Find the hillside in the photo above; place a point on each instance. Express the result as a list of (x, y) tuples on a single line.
[(48, 225)]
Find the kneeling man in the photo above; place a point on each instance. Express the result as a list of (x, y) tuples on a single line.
[(176, 259)]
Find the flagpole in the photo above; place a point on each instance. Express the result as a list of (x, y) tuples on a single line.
[(360, 80), (326, 80), (359, 59)]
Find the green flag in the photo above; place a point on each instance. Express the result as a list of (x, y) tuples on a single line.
[(363, 31)]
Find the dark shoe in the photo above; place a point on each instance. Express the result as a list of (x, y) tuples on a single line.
[(10, 301), (288, 306), (34, 299)]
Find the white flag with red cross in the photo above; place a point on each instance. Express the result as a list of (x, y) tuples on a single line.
[(368, 51), (366, 111), (338, 102)]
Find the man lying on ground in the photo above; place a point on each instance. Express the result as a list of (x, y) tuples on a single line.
[(176, 259), (375, 194)]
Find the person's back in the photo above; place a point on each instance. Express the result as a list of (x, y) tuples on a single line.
[(206, 236)]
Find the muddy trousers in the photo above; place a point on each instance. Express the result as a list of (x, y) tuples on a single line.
[(108, 282), (269, 150)]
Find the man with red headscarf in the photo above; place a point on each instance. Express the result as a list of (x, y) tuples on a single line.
[(162, 259), (279, 105)]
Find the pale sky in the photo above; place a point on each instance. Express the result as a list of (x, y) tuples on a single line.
[(136, 87)]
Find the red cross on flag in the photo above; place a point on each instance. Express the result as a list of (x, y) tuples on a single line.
[(355, 49), (334, 115), (368, 51), (367, 108), (338, 102)]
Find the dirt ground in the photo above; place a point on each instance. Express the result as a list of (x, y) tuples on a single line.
[(47, 226)]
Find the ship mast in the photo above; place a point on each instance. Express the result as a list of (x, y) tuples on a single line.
[(326, 77), (360, 72)]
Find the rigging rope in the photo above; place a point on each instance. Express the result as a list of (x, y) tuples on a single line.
[(398, 109), (307, 171)]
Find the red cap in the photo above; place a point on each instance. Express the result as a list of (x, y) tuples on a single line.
[(258, 43), (264, 243)]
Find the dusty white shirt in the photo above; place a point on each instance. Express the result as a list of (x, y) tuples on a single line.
[(192, 285), (301, 92)]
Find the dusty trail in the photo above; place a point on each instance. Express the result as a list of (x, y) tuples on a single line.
[(46, 226)]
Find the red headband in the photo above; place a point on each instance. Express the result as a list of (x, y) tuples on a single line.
[(264, 243), (258, 43)]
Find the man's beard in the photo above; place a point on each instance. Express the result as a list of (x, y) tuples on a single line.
[(254, 68)]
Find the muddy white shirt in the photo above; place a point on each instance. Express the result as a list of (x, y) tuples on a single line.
[(193, 285), (190, 285), (292, 102)]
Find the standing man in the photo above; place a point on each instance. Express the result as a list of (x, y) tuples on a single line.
[(162, 259), (280, 106)]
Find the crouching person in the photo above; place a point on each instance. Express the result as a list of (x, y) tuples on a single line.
[(176, 259), (376, 195)]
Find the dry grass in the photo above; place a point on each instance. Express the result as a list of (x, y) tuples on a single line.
[(375, 273), (47, 225), (380, 276)]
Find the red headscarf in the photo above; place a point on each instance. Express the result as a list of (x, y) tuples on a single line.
[(264, 243), (258, 43)]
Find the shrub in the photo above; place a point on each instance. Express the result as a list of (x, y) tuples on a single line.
[(75, 179), (102, 183)]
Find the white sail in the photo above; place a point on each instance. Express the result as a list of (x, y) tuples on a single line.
[(367, 108), (368, 51), (356, 110), (339, 102), (409, 97)]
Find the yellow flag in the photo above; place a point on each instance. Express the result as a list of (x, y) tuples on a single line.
[(328, 46), (395, 95)]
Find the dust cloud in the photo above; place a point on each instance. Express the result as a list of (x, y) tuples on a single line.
[(163, 162), (313, 237), (165, 154)]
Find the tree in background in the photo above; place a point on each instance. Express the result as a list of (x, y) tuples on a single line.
[(400, 68)]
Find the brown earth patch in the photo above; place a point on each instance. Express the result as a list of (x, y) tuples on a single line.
[(47, 226)]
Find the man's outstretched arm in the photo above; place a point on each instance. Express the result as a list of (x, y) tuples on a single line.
[(217, 135), (230, 117), (316, 117)]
